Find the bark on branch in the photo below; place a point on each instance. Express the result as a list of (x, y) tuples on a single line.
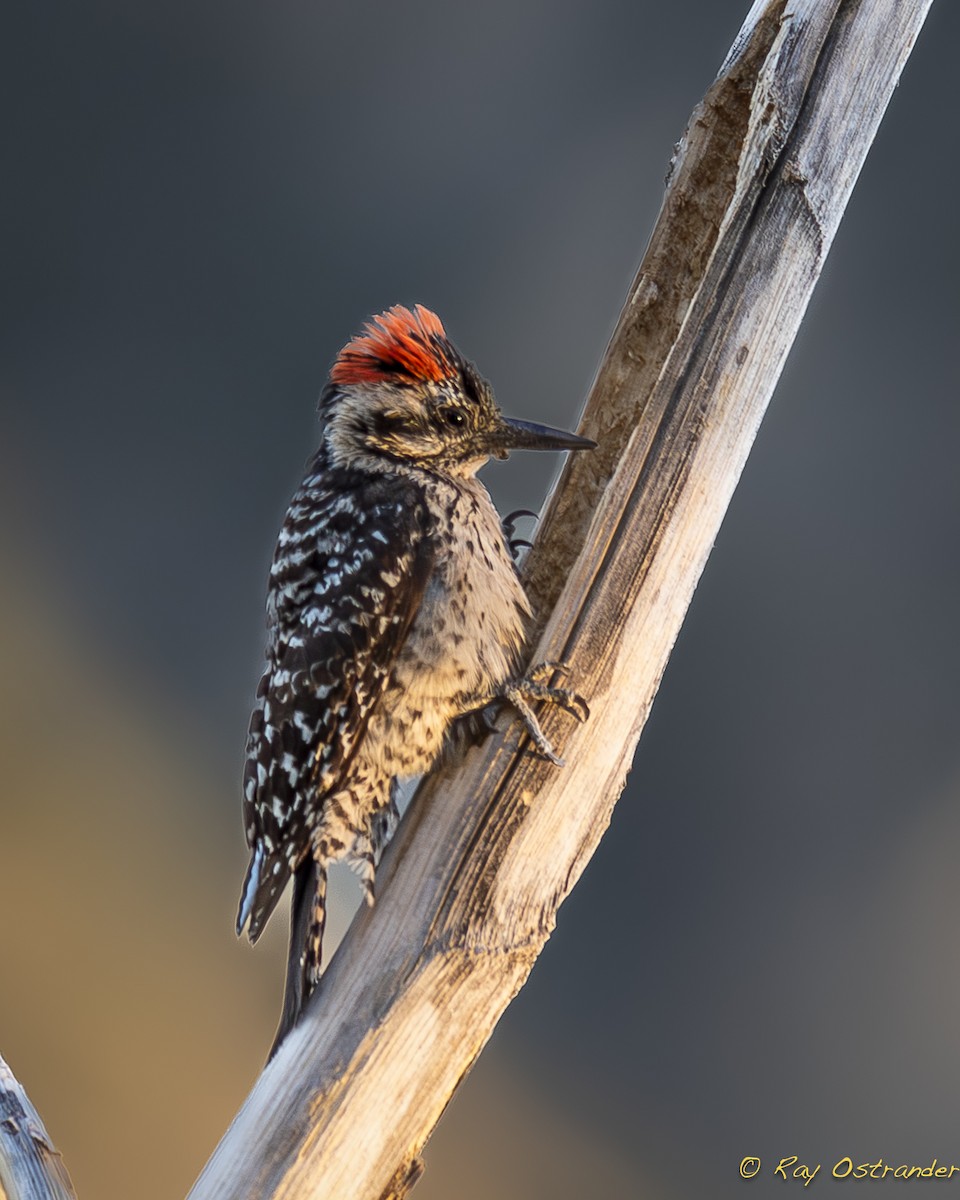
[(470, 889), (30, 1165)]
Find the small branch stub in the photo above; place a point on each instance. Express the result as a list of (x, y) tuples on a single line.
[(30, 1165)]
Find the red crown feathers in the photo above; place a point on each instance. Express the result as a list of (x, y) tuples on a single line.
[(398, 342)]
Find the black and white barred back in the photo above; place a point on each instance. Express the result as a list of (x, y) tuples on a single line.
[(351, 564)]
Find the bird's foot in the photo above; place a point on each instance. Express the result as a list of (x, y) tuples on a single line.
[(532, 687), (509, 529)]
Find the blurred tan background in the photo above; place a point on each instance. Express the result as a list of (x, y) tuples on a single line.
[(201, 203)]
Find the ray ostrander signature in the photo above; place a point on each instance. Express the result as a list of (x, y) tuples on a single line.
[(791, 1167)]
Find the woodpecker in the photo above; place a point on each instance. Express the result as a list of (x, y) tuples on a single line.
[(394, 608)]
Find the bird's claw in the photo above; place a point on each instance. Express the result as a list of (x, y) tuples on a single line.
[(567, 699), (509, 527), (510, 520), (531, 687)]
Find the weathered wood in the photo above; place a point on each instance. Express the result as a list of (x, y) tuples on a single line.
[(30, 1165), (470, 889)]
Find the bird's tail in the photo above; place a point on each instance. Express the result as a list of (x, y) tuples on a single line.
[(308, 914)]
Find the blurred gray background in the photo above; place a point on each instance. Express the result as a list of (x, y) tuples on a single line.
[(201, 202)]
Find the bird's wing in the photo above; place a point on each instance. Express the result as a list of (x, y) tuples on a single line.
[(346, 585)]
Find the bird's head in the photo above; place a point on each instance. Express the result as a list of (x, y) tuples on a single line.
[(402, 392)]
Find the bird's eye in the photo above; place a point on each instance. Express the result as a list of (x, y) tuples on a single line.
[(454, 417)]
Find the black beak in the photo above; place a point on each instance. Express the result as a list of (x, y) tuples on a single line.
[(525, 435)]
